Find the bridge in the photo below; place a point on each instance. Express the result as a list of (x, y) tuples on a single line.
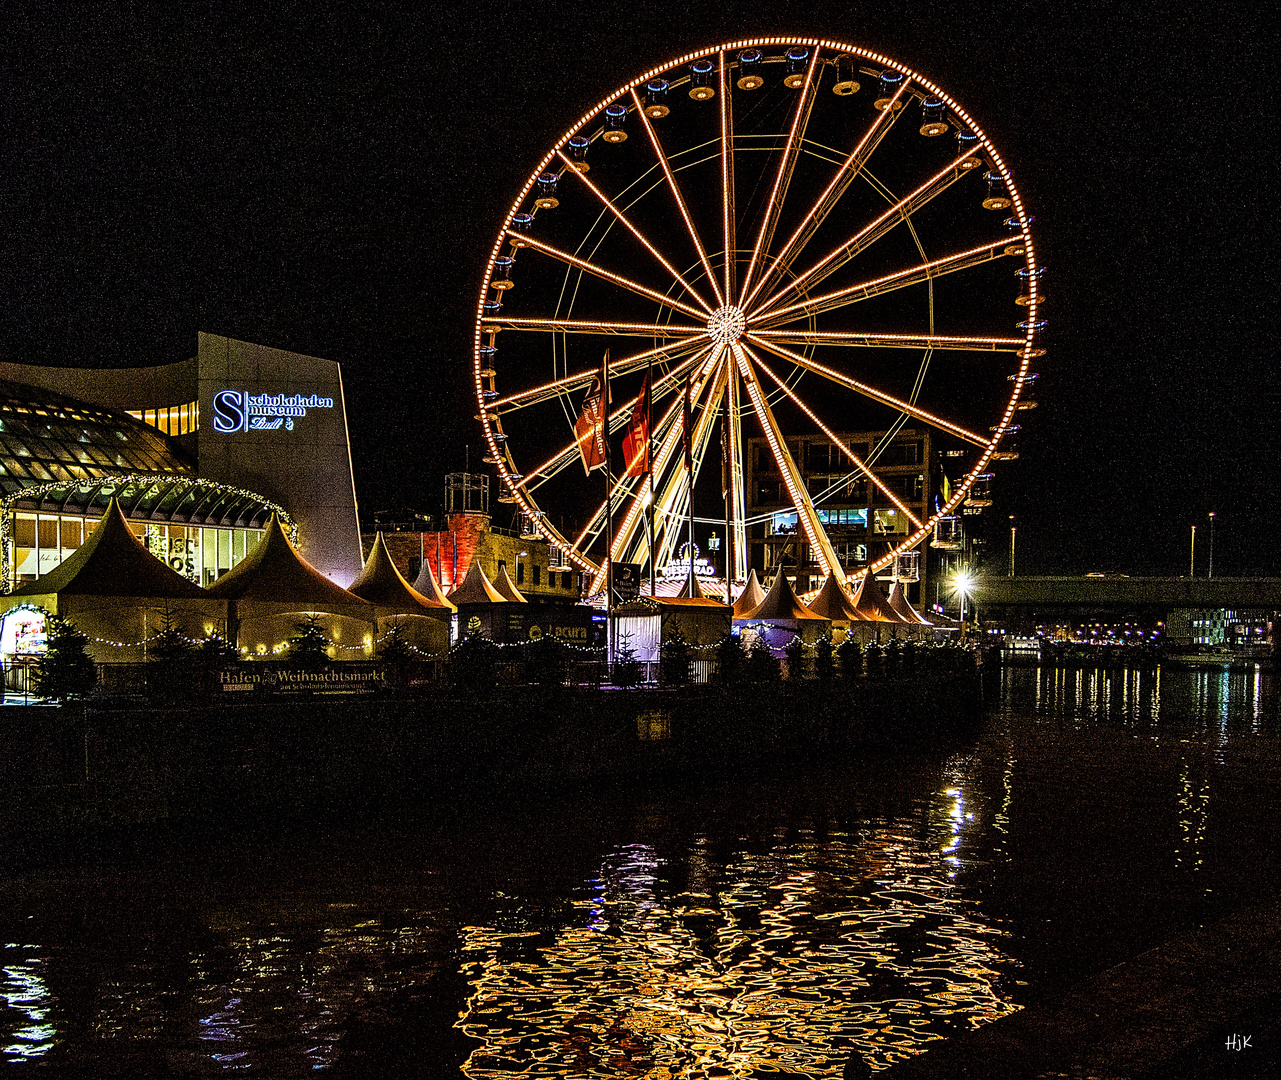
[(1181, 610), (1127, 593)]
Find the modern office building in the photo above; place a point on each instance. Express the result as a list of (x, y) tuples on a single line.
[(864, 520), (199, 453)]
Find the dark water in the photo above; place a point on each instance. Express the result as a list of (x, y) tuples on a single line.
[(700, 927)]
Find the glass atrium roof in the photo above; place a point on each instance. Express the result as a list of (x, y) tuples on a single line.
[(46, 438), (64, 456)]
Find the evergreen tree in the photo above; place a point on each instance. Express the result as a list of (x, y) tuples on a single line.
[(797, 662), (761, 665), (309, 647), (169, 647), (66, 671), (731, 660), (676, 659), (627, 669), (546, 660), (473, 664), (824, 662), (850, 655), (169, 658), (214, 649), (394, 648)]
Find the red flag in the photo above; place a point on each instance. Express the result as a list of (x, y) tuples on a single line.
[(589, 430), (636, 441)]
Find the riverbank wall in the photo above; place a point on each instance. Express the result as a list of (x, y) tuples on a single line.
[(85, 764)]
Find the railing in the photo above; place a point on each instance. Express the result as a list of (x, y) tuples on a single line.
[(252, 680)]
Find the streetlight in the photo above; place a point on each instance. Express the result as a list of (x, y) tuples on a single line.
[(962, 586), (1210, 572), (1192, 555), (1013, 532)]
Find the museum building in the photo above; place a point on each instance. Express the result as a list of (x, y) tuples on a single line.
[(198, 454)]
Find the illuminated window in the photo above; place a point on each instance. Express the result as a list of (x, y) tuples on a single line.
[(172, 419)]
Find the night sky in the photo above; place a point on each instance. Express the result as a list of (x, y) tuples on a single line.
[(332, 184)]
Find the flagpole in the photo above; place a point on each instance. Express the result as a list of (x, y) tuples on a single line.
[(609, 518), (649, 467), (727, 491), (689, 475)]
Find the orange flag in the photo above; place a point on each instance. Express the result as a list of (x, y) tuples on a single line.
[(589, 429), (636, 442)]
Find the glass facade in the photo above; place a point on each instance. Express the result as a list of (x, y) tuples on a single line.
[(201, 553), (173, 419), (46, 438), (61, 462)]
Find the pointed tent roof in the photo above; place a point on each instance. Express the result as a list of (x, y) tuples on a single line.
[(113, 562), (476, 588), (381, 583), (904, 610), (834, 603), (426, 584), (782, 604), (275, 573), (750, 597), (870, 602), (504, 584), (691, 590)]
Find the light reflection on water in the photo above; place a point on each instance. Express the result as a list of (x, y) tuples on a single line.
[(24, 991), (692, 929), (792, 957)]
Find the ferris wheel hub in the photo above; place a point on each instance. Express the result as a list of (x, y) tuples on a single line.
[(726, 325)]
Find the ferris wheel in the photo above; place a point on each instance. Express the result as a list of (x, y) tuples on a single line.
[(785, 240)]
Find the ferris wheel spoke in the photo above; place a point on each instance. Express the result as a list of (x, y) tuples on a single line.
[(869, 234), (668, 431), (872, 393), (568, 453), (855, 460), (676, 194), (729, 222), (783, 178), (814, 531), (570, 383), (626, 222), (852, 294), (871, 339), (672, 503), (605, 275), (845, 175), (737, 530), (587, 326), (626, 539)]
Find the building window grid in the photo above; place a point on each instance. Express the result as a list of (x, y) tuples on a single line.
[(171, 419), (42, 541)]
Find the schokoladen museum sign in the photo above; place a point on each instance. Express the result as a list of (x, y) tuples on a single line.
[(239, 410)]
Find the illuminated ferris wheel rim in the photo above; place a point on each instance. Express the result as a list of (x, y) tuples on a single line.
[(727, 326)]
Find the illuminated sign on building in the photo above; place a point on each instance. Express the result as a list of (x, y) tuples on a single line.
[(238, 410)]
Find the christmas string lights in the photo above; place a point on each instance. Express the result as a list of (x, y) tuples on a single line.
[(120, 484)]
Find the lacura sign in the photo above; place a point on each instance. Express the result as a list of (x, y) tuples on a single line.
[(238, 410)]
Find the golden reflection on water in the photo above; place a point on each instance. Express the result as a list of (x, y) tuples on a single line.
[(793, 957), (23, 989)]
